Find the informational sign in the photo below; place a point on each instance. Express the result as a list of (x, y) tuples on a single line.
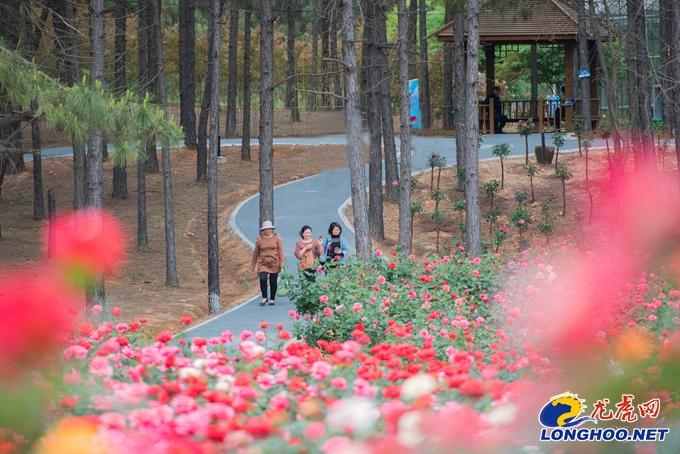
[(583, 73), (414, 110)]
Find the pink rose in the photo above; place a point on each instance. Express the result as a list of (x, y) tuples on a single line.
[(320, 370), (315, 430), (75, 352), (339, 383), (100, 367)]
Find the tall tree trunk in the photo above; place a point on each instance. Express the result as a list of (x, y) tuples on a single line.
[(11, 26), (665, 52), (187, 75), (337, 84), (291, 84), (390, 149), (79, 175), (38, 197), (447, 85), (636, 26), (230, 128), (424, 84), (120, 190), (142, 47), (583, 63), (405, 215), (413, 37), (459, 89), (95, 142), (95, 148), (375, 165), (534, 85), (245, 139), (120, 14), (65, 40), (69, 72), (675, 74), (170, 256), (202, 145), (213, 242), (325, 64), (472, 219), (266, 113), (365, 65), (644, 85), (314, 79), (609, 80), (152, 164), (32, 36), (354, 146), (142, 236)]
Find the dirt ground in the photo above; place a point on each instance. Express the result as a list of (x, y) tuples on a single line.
[(138, 289), (546, 184), (311, 124)]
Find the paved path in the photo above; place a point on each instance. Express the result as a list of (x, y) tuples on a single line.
[(315, 201)]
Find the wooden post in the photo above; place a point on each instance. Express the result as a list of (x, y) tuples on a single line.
[(568, 114), (52, 216), (539, 106), (489, 52), (492, 121)]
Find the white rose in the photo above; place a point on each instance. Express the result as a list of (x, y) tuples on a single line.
[(504, 413), (357, 413), (223, 384), (410, 433), (187, 372), (418, 385)]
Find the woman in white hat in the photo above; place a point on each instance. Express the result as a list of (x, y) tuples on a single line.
[(267, 261)]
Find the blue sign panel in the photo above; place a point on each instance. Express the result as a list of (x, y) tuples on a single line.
[(414, 111)]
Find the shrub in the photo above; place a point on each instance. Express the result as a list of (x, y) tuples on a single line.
[(403, 292)]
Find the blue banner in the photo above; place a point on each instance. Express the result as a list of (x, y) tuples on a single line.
[(414, 111)]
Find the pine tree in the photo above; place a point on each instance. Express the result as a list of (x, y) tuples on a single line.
[(354, 146)]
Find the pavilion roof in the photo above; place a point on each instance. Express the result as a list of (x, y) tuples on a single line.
[(540, 21)]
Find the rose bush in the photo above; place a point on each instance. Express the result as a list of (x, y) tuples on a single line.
[(416, 296)]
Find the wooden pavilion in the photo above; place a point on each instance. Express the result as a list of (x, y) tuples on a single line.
[(533, 22)]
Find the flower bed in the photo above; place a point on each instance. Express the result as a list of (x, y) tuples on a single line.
[(398, 355)]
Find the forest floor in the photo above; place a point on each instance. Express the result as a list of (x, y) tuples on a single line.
[(312, 124), (576, 222), (138, 288)]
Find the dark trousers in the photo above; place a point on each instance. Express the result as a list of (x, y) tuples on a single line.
[(499, 122), (272, 284)]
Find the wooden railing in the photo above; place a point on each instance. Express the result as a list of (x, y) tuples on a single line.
[(543, 113)]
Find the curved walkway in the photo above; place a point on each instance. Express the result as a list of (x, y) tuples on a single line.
[(316, 201)]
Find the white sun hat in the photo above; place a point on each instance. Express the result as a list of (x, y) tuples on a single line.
[(267, 225)]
